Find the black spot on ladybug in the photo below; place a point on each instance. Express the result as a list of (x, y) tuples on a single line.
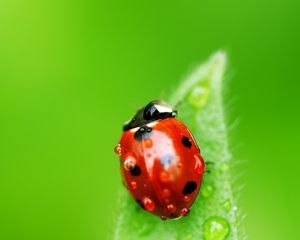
[(189, 187), (186, 142), (142, 133), (136, 171), (166, 160)]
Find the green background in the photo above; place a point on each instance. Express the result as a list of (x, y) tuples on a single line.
[(71, 72)]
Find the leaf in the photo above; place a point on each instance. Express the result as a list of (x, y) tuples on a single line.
[(214, 214)]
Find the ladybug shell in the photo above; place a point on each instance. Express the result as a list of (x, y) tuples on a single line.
[(162, 167)]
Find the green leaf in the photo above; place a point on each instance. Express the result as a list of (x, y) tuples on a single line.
[(214, 214)]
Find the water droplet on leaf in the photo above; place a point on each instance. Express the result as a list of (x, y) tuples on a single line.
[(226, 205), (207, 190), (216, 228), (133, 185), (199, 95)]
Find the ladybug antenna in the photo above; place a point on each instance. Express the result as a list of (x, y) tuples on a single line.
[(162, 94), (177, 105)]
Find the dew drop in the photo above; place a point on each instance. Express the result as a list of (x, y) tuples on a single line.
[(207, 190), (171, 208), (164, 176), (186, 198), (224, 167), (226, 205), (129, 163), (169, 142), (216, 228), (133, 185), (199, 167), (148, 143), (166, 193), (148, 204), (189, 237), (184, 212), (118, 149), (198, 96)]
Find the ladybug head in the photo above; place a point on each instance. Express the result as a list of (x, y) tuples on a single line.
[(153, 111)]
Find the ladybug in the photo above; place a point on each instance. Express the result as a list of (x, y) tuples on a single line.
[(161, 163)]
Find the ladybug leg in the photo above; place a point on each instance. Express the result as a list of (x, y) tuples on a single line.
[(124, 185), (208, 164)]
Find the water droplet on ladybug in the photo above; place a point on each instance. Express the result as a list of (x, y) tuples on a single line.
[(216, 228), (171, 208), (184, 212), (166, 193), (148, 204), (164, 176), (133, 185), (186, 198), (148, 143), (118, 149), (129, 163), (179, 164), (199, 167)]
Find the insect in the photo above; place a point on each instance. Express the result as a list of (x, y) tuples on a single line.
[(161, 163)]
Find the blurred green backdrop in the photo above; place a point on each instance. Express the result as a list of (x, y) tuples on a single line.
[(71, 72)]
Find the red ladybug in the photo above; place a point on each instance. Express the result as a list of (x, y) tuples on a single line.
[(160, 161)]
